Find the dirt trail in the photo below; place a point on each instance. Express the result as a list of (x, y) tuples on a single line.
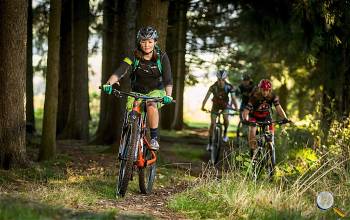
[(135, 205)]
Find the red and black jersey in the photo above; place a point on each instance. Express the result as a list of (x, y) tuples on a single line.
[(260, 106), (221, 94)]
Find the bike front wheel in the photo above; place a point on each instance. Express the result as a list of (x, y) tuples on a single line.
[(215, 152), (271, 160), (147, 174), (127, 158)]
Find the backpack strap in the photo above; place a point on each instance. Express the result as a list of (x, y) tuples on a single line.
[(159, 63), (136, 63)]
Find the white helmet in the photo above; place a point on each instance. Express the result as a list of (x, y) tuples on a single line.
[(221, 74)]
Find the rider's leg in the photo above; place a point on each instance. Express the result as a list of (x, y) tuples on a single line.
[(252, 139), (153, 120), (226, 124)]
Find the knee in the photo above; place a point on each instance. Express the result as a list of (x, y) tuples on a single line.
[(151, 106)]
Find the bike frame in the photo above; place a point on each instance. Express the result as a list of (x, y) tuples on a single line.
[(136, 112)]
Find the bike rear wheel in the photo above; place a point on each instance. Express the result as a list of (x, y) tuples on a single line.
[(127, 159), (147, 174), (215, 152)]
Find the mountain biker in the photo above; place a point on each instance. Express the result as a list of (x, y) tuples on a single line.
[(259, 109), (150, 75), (244, 90), (221, 91)]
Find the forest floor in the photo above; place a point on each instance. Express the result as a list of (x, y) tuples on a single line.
[(81, 182)]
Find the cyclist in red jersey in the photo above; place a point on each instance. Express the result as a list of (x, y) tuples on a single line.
[(259, 109)]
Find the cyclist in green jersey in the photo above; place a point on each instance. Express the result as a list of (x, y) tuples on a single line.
[(150, 75)]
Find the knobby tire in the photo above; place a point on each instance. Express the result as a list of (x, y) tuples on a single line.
[(147, 174), (126, 165), (215, 152)]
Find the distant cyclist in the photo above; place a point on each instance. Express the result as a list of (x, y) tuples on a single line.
[(259, 109), (222, 92), (244, 90), (150, 75)]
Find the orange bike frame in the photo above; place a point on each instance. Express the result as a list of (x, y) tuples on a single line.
[(141, 162)]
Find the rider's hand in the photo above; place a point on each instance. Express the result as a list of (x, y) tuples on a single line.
[(167, 99), (107, 88)]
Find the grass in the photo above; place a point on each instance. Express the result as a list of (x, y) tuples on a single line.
[(301, 174), (189, 153), (235, 197), (16, 208), (64, 189)]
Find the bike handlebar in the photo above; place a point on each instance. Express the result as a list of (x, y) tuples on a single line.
[(265, 123), (222, 112), (137, 95)]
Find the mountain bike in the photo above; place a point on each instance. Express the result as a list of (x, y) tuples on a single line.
[(217, 134), (135, 153), (264, 156)]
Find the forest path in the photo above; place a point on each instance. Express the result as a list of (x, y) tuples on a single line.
[(180, 156)]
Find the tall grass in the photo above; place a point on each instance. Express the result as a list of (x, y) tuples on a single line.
[(235, 196), (302, 172)]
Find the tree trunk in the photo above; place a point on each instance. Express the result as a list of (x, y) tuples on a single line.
[(155, 13), (66, 62), (118, 40), (77, 126), (103, 135), (13, 29), (168, 111), (125, 42), (48, 141), (180, 70), (30, 119)]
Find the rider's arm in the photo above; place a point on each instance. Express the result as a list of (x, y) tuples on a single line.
[(245, 114), (166, 75), (121, 71), (281, 112), (169, 90), (206, 98), (234, 101), (113, 79), (249, 107), (278, 107)]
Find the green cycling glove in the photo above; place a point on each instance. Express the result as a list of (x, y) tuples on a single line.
[(107, 88), (167, 99)]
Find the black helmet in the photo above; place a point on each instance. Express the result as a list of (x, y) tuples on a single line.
[(221, 74), (147, 32), (246, 77)]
